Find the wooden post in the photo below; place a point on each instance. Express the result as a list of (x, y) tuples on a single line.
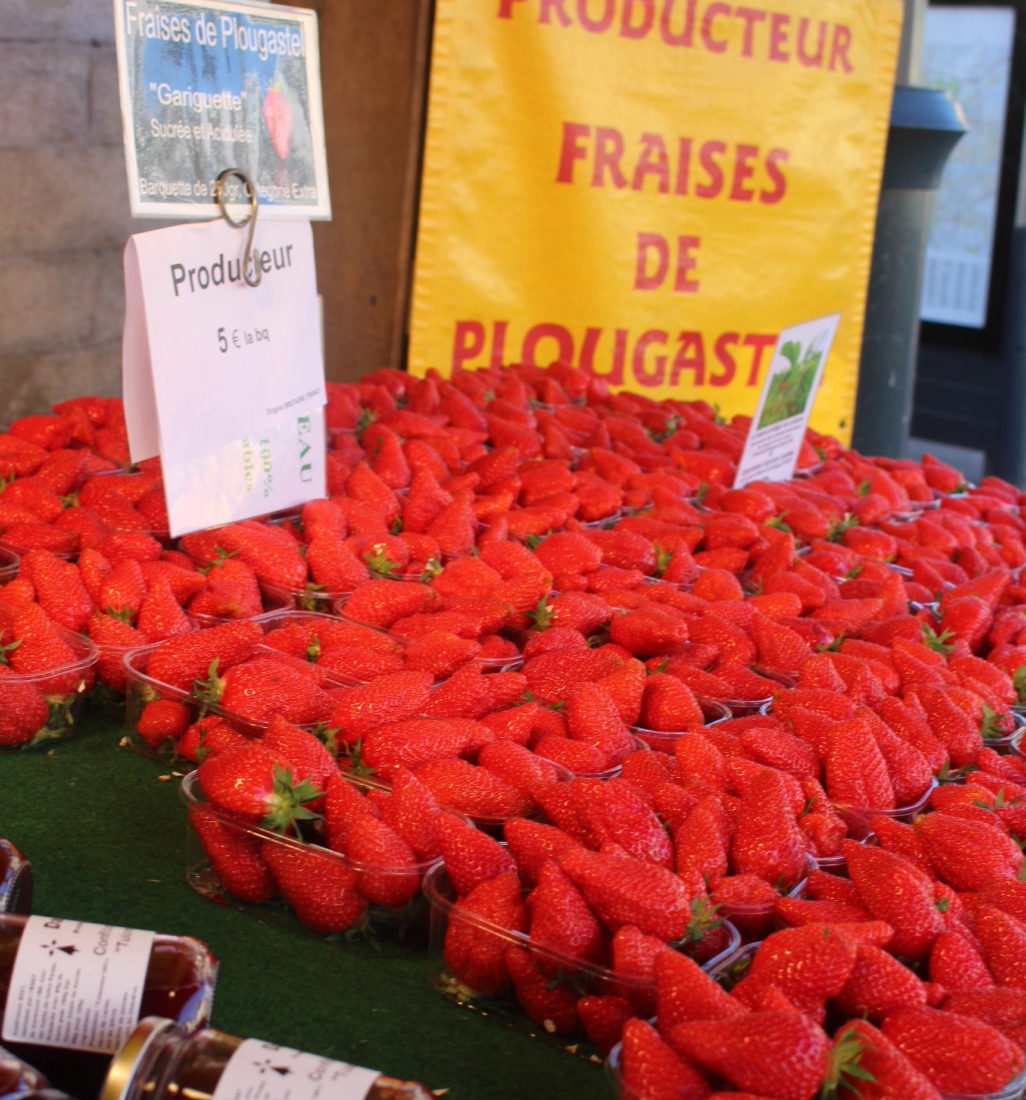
[(374, 62)]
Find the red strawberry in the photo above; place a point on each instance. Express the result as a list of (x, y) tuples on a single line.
[(956, 963), (624, 890), (782, 1054), (866, 1062), (1003, 940), (767, 840), (533, 843), (547, 1000), (967, 854), (24, 712), (651, 1068), (162, 720), (471, 856), (878, 984), (898, 892), (257, 784), (684, 991), (413, 811), (475, 953), (387, 698), (459, 785), (388, 874), (603, 1017), (317, 883), (614, 812), (413, 742), (957, 1053), (383, 602), (560, 920), (264, 686), (235, 855), (183, 660), (59, 588)]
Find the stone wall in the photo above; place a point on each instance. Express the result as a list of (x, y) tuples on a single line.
[(65, 222)]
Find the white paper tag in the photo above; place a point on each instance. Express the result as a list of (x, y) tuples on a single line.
[(263, 1071), (778, 427), (76, 985), (222, 380), (213, 84), (227, 359), (280, 468)]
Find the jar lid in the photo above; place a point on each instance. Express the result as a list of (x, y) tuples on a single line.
[(133, 1049)]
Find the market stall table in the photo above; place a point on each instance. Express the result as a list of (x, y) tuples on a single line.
[(105, 830)]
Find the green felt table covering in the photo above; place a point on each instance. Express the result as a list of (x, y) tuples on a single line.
[(105, 830)]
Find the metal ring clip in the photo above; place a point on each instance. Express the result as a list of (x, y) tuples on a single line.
[(250, 219)]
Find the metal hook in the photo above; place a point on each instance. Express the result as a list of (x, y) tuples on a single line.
[(250, 220)]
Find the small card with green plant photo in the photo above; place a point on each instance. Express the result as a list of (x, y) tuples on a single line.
[(778, 426)]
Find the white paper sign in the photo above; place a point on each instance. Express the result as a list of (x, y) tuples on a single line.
[(213, 84), (277, 469), (215, 370), (778, 427)]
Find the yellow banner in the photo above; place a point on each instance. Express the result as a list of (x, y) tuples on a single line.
[(651, 190)]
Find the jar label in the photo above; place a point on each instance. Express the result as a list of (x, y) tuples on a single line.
[(263, 1071), (76, 985)]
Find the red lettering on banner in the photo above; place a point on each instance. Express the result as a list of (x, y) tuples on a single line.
[(707, 155), (712, 25), (608, 154), (686, 262), (750, 16), (643, 375), (722, 351), (600, 25), (468, 342), (683, 166), (712, 44), (654, 161), (761, 343), (548, 331), (649, 244), (839, 48), (618, 356), (637, 30), (774, 157), (691, 357), (743, 172), (571, 149), (547, 8)]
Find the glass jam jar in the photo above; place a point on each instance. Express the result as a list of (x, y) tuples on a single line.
[(15, 880), (72, 992), (161, 1061), (20, 1081)]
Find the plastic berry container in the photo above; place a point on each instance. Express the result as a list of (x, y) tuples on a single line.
[(382, 901), (38, 708), (713, 711), (325, 601), (858, 818), (10, 563), (577, 976), (15, 880)]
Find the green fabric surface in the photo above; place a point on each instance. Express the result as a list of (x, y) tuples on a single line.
[(106, 833)]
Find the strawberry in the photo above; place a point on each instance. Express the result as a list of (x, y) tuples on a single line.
[(317, 883), (162, 720), (413, 812), (474, 952), (603, 1017), (550, 1002), (387, 698), (235, 855), (383, 602), (967, 854), (684, 991), (208, 736), (388, 873), (534, 843), (767, 841), (868, 1064), (653, 1069), (160, 614), (781, 1054), (855, 768), (624, 890), (24, 712), (898, 892), (59, 589), (957, 1053), (669, 704), (614, 812), (462, 786), (956, 963), (413, 742), (264, 686), (560, 920), (593, 718), (40, 646), (255, 783), (878, 984), (1003, 940), (471, 856), (648, 631), (185, 659)]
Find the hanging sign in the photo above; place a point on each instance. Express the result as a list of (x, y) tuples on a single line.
[(221, 378), (211, 84), (652, 190)]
